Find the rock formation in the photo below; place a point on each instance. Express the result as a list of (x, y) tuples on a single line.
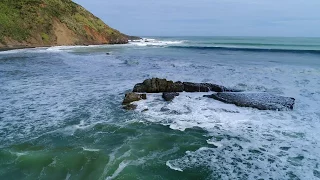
[(156, 85), (132, 97), (262, 101), (169, 96)]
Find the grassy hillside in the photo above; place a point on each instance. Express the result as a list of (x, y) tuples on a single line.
[(52, 22)]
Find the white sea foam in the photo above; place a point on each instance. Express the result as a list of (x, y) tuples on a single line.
[(52, 49), (90, 149), (154, 42), (122, 165), (59, 49), (19, 154), (12, 51), (172, 167), (217, 144), (68, 176)]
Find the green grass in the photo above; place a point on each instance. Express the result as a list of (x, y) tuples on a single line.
[(9, 19), (21, 19), (45, 37)]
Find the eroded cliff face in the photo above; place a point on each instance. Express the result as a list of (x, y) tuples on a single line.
[(34, 23)]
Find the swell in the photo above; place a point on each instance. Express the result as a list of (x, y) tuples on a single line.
[(258, 49), (267, 44)]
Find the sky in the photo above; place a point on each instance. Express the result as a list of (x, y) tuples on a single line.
[(293, 18)]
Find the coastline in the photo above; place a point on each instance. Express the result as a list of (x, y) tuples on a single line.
[(9, 48), (2, 49), (15, 48)]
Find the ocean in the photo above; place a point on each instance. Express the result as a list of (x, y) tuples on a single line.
[(61, 115)]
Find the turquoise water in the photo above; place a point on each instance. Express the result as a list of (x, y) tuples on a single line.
[(61, 115), (253, 43)]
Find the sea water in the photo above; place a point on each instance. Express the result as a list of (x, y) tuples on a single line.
[(61, 115)]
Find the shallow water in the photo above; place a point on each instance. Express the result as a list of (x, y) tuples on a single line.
[(61, 114)]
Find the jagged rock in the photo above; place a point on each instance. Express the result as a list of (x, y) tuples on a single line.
[(145, 110), (143, 96), (156, 85), (169, 96), (219, 88), (206, 87), (261, 101), (195, 87), (130, 107), (131, 97), (140, 87), (164, 109), (175, 86)]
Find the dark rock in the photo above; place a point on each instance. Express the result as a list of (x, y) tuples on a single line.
[(285, 148), (196, 87), (262, 101), (156, 85), (140, 87), (206, 87), (131, 97), (164, 109), (174, 86), (169, 96), (134, 38), (219, 88), (143, 96), (130, 107), (107, 53), (215, 87)]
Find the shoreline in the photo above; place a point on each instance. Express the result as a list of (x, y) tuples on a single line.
[(2, 49), (15, 48), (130, 38)]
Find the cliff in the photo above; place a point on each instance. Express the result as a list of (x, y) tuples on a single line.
[(34, 23)]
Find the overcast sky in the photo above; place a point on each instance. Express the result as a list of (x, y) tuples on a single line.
[(209, 17)]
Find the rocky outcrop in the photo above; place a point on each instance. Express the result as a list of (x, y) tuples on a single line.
[(131, 97), (261, 101), (133, 38), (195, 87), (206, 87), (219, 88), (156, 85), (130, 107), (169, 96)]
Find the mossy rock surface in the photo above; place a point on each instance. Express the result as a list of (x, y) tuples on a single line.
[(35, 23)]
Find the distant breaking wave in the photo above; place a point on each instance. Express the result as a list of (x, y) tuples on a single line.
[(154, 42), (246, 45)]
